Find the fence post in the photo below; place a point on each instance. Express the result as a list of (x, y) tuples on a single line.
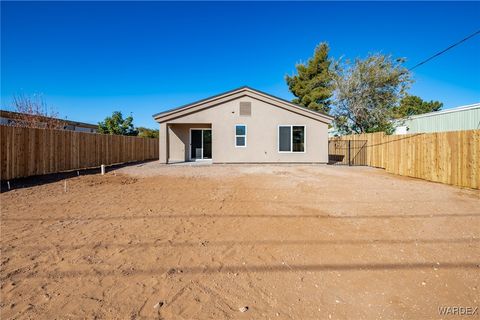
[(349, 163)]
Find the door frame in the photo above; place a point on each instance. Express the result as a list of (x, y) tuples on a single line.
[(190, 145)]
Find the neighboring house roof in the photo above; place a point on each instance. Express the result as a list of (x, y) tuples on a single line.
[(235, 94), (15, 115), (454, 119), (436, 113)]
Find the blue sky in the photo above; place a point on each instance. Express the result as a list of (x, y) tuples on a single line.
[(90, 58)]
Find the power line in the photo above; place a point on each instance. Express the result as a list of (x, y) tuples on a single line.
[(445, 50)]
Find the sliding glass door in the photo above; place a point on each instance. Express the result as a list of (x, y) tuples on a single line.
[(200, 144), (207, 144)]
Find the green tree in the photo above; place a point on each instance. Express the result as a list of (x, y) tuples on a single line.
[(312, 86), (413, 105), (116, 124), (147, 133), (367, 92)]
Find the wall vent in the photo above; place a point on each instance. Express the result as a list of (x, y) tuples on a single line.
[(245, 108)]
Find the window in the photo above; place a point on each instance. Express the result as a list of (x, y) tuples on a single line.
[(285, 139), (298, 138), (240, 135), (291, 139)]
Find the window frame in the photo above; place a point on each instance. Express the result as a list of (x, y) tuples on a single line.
[(291, 138), (240, 135)]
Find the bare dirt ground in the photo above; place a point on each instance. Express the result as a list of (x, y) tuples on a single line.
[(200, 242)]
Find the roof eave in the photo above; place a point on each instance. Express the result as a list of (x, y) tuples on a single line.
[(218, 96), (156, 115)]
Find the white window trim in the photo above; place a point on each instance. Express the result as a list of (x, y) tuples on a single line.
[(240, 135), (291, 138)]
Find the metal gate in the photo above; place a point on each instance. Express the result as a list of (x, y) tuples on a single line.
[(347, 152)]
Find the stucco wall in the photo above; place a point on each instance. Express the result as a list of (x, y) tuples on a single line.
[(262, 134)]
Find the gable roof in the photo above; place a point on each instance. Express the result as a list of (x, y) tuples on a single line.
[(235, 94)]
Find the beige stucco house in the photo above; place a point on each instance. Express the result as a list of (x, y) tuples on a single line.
[(243, 126)]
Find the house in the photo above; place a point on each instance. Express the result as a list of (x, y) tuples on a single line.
[(11, 118), (243, 125), (454, 119)]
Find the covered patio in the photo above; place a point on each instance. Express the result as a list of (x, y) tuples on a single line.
[(188, 142)]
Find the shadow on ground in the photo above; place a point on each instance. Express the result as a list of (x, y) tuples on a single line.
[(207, 243), (243, 216), (257, 269), (55, 177)]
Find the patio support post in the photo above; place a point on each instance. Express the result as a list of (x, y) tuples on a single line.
[(163, 141)]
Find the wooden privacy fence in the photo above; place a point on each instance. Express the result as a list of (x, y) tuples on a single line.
[(30, 151), (446, 157)]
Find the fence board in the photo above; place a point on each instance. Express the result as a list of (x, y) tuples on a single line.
[(30, 151), (447, 157)]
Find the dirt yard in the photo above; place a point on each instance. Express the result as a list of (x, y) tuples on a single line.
[(201, 242)]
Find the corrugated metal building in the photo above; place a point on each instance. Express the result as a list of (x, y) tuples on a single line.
[(455, 119)]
